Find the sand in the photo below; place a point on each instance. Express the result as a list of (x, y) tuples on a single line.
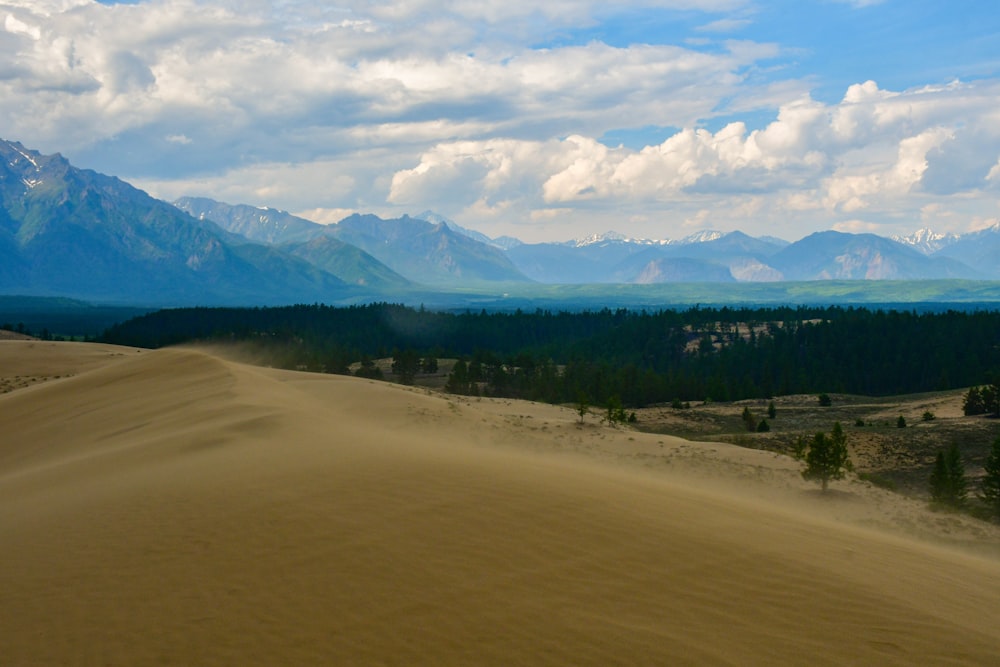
[(173, 507)]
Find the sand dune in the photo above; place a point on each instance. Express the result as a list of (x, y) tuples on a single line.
[(172, 507)]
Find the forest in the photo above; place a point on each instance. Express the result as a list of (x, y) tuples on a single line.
[(635, 357)]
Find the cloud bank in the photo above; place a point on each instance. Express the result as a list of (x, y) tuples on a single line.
[(492, 113)]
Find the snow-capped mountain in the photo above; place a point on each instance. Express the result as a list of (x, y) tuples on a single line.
[(926, 240), (138, 247), (73, 232), (703, 236), (595, 239)]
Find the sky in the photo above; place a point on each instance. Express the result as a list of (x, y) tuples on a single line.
[(546, 121)]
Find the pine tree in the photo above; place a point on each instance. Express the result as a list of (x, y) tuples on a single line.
[(991, 399), (989, 487), (458, 379), (429, 365), (949, 487), (405, 364), (828, 457), (582, 405), (616, 413), (957, 483), (973, 403), (368, 369), (939, 480)]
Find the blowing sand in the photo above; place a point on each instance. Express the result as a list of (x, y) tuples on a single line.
[(173, 507)]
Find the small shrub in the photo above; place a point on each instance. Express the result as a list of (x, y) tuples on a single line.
[(859, 422), (824, 400), (929, 416), (901, 422)]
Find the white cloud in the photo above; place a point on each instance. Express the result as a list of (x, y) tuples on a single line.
[(851, 190), (326, 216), (994, 174), (418, 104), (725, 25), (45, 7), (869, 153), (855, 226), (231, 73), (14, 25)]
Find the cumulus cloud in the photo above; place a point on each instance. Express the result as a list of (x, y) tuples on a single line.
[(327, 79), (870, 152), (418, 104)]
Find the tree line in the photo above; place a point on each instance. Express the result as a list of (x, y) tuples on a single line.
[(635, 357)]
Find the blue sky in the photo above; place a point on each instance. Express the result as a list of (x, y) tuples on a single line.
[(545, 121)]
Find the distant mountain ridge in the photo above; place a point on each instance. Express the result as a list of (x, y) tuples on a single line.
[(73, 232), (613, 257), (839, 256), (267, 225), (307, 240), (397, 249), (704, 256), (433, 254)]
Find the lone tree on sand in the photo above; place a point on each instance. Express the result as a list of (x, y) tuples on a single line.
[(827, 457), (582, 405)]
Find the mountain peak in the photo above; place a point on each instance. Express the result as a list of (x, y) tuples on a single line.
[(117, 243), (30, 167), (703, 236), (926, 240), (438, 219), (599, 238)]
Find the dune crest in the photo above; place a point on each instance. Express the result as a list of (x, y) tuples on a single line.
[(175, 507)]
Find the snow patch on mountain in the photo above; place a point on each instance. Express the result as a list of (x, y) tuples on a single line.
[(703, 236), (595, 239), (926, 240)]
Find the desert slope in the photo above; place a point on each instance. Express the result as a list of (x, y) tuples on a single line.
[(172, 507)]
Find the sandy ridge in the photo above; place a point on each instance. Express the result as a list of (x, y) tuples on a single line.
[(172, 507)]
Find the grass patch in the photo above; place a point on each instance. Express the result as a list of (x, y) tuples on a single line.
[(881, 481)]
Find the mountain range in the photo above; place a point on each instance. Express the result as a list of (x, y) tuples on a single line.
[(424, 252), (74, 232)]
